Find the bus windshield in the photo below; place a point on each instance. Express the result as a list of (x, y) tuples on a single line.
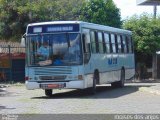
[(54, 49)]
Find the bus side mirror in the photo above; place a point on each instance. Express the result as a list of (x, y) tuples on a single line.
[(23, 42)]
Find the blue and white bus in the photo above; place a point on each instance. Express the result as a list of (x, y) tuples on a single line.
[(80, 55)]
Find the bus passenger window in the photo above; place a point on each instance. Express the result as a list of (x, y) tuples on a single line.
[(93, 42), (119, 44), (106, 39), (124, 44), (100, 42), (113, 43)]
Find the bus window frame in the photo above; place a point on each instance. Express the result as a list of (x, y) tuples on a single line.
[(116, 43)]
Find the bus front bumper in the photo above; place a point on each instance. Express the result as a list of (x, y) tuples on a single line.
[(77, 84)]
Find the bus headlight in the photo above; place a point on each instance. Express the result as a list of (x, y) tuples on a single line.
[(79, 77)]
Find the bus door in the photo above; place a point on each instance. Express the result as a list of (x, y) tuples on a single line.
[(87, 54)]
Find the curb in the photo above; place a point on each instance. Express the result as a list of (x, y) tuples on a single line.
[(149, 90)]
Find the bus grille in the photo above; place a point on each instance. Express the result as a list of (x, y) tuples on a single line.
[(53, 71)]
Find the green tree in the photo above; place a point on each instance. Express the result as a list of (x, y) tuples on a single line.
[(146, 33), (146, 36), (15, 15), (101, 12), (69, 9)]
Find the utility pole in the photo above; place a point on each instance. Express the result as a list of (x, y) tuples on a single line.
[(155, 11), (153, 3)]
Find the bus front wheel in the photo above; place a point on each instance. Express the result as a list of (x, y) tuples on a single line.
[(48, 92)]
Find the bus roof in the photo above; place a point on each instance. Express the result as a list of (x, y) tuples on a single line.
[(55, 22), (86, 25)]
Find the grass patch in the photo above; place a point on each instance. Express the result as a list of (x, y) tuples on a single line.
[(18, 84)]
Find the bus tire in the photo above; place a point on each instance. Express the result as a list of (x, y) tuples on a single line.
[(48, 92), (95, 81), (121, 82)]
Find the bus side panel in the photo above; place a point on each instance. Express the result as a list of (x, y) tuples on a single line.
[(106, 77), (129, 73), (88, 80), (105, 72), (129, 66), (109, 71)]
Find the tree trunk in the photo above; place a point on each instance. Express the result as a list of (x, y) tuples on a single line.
[(154, 66)]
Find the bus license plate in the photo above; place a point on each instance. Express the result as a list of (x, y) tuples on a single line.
[(52, 86)]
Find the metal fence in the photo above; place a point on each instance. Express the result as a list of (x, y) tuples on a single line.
[(12, 63)]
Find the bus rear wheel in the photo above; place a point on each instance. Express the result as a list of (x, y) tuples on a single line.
[(121, 82), (48, 92)]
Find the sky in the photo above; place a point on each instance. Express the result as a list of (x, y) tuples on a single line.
[(129, 7)]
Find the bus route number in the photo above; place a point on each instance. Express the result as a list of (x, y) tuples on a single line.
[(112, 61)]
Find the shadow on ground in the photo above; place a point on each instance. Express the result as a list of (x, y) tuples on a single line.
[(4, 107), (144, 81), (2, 90), (102, 92)]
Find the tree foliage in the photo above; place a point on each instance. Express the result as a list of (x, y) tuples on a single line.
[(16, 14), (101, 12), (146, 33)]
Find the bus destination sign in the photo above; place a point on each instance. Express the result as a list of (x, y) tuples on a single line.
[(53, 28)]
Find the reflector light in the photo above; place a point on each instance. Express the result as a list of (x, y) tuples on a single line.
[(26, 78)]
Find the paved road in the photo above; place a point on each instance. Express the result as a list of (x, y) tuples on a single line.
[(18, 100)]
